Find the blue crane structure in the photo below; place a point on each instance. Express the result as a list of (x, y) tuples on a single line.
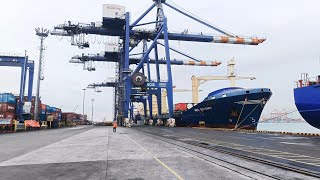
[(25, 64), (136, 85)]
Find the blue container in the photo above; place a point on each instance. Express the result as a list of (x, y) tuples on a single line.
[(48, 108), (54, 109), (43, 117), (51, 109), (55, 124), (7, 98)]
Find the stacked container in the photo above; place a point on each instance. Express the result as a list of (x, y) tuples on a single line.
[(33, 104), (56, 113), (43, 113), (7, 111), (69, 118)]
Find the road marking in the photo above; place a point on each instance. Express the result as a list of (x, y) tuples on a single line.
[(258, 150), (301, 144), (289, 137), (306, 159), (158, 160), (167, 167), (75, 128)]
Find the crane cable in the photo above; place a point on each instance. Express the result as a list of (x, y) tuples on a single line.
[(190, 13)]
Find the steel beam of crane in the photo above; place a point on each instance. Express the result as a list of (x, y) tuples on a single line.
[(85, 58), (25, 64), (150, 34)]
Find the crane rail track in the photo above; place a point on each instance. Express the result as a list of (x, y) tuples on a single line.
[(171, 138)]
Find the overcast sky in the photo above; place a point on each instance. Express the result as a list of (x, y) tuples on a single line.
[(291, 27)]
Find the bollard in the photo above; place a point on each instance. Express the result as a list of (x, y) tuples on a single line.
[(172, 122), (15, 124), (150, 122)]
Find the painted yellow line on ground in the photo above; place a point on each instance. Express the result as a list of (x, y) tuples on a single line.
[(172, 171), (158, 160)]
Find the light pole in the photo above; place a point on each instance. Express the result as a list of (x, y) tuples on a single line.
[(92, 111), (84, 96), (42, 34)]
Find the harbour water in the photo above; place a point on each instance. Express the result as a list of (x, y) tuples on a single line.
[(288, 127)]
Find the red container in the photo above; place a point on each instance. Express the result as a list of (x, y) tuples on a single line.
[(180, 107), (68, 116), (7, 115), (6, 107)]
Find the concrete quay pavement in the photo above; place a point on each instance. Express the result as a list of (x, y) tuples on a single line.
[(87, 152)]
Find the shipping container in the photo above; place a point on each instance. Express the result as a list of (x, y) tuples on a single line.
[(7, 98), (26, 101), (50, 118), (7, 115), (5, 121), (180, 107), (48, 109), (54, 124), (43, 112), (7, 107), (53, 109), (43, 117)]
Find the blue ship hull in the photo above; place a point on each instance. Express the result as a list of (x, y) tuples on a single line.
[(227, 108), (307, 100)]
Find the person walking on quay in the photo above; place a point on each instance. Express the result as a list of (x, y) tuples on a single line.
[(115, 126)]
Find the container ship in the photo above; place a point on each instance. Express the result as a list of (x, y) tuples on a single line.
[(231, 108), (307, 99)]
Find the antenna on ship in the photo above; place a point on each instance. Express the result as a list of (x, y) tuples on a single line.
[(42, 34)]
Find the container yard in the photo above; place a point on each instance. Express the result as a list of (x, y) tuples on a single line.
[(152, 90), (49, 117)]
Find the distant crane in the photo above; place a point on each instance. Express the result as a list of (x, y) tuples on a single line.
[(75, 109), (197, 81)]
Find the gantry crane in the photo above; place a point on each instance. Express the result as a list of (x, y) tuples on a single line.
[(134, 85), (25, 64), (232, 77)]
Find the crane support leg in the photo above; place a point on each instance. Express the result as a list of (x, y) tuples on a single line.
[(128, 84), (157, 62), (159, 103), (22, 86), (150, 106), (145, 108), (30, 85), (169, 83)]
